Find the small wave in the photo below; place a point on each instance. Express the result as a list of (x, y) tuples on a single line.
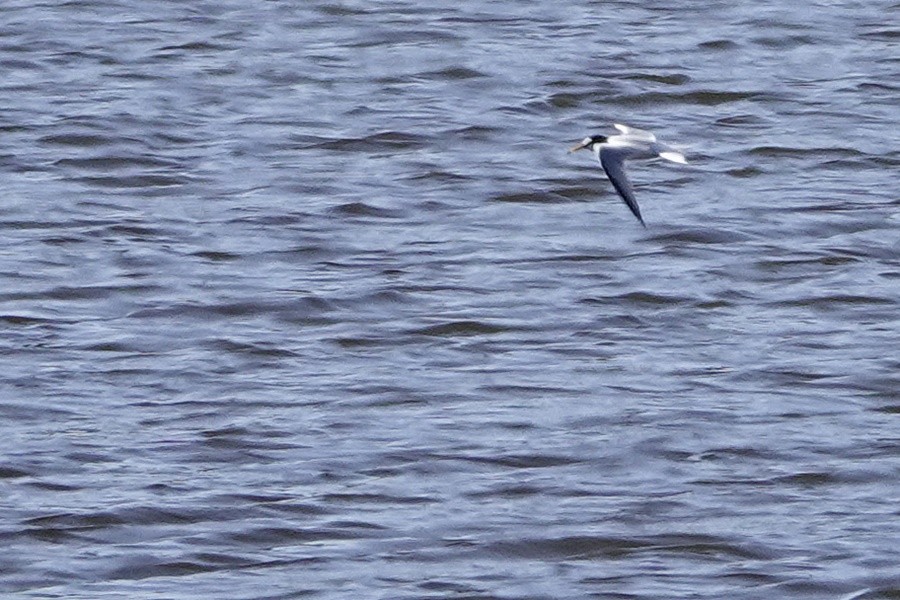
[(264, 350), (13, 473), (591, 547), (23, 320), (745, 172), (452, 73), (789, 152), (216, 256), (461, 328), (833, 301), (718, 45), (669, 79), (784, 42), (362, 209), (524, 461), (529, 197), (741, 120), (477, 132), (405, 36), (112, 163), (385, 140), (645, 298), (78, 140), (700, 236), (136, 181), (699, 97), (885, 35)]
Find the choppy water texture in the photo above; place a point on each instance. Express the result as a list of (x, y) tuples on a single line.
[(307, 300)]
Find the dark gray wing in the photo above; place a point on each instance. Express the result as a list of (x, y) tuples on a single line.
[(613, 162)]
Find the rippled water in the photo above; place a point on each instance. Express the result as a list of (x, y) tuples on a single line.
[(306, 299)]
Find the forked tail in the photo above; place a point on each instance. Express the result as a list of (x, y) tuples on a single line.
[(674, 156), (670, 153)]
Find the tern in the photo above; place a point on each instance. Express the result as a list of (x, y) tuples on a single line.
[(613, 151)]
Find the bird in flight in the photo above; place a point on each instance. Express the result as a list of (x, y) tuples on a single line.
[(613, 151)]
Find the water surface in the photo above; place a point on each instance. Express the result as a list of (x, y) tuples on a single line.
[(307, 300)]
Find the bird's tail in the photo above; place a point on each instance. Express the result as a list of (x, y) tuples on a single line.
[(674, 156), (670, 153)]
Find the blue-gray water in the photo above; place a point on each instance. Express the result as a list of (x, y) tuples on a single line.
[(307, 300)]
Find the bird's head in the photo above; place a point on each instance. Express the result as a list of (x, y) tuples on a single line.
[(588, 143)]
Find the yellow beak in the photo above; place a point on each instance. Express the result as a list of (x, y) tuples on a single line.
[(578, 147)]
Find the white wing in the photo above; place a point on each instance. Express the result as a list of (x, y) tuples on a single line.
[(638, 133), (612, 159)]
